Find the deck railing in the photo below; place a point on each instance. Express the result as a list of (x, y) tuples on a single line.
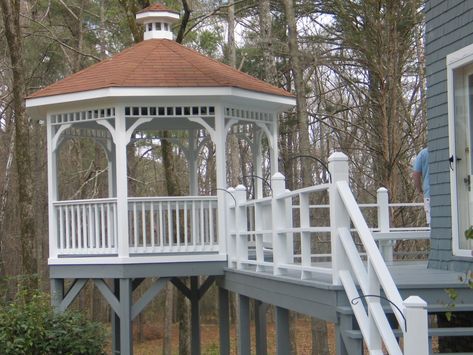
[(86, 227), (173, 224), (276, 235), (155, 225)]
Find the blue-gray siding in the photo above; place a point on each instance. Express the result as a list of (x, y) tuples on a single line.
[(449, 27)]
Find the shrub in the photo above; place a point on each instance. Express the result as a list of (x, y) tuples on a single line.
[(28, 325)]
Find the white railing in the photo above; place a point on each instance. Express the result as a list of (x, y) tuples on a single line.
[(155, 225), (372, 277), (173, 224), (276, 234), (86, 227)]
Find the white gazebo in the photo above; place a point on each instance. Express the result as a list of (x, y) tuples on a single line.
[(155, 85)]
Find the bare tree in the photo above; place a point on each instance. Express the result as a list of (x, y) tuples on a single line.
[(13, 34)]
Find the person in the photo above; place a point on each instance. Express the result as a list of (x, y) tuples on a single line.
[(420, 176)]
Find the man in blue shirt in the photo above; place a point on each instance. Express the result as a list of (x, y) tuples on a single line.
[(421, 179)]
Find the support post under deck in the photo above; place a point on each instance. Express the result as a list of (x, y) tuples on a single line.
[(57, 292), (282, 331), (244, 347), (126, 345), (116, 320), (260, 328), (343, 343), (224, 321), (195, 315)]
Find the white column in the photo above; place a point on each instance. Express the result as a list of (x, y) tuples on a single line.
[(121, 142), (241, 226), (52, 189), (258, 162), (416, 339), (338, 167), (385, 246), (279, 219), (112, 178), (192, 163), (274, 148), (220, 138)]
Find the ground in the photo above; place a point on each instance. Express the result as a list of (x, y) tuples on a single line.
[(152, 342)]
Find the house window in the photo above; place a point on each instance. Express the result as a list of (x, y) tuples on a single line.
[(460, 122), (158, 26), (150, 26), (166, 27)]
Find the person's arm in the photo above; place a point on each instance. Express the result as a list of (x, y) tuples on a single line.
[(417, 177)]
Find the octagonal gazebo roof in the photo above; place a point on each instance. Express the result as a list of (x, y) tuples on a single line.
[(158, 63), (159, 67)]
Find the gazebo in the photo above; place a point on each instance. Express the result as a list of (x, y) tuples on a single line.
[(156, 85)]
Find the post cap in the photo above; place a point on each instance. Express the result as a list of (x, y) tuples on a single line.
[(337, 156)]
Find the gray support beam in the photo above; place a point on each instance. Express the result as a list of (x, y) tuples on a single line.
[(195, 316), (244, 346), (112, 297), (126, 344), (283, 343), (71, 294), (57, 293), (260, 328), (224, 321), (147, 297)]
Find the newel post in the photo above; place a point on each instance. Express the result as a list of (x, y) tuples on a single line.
[(416, 339), (385, 246), (241, 226), (338, 167), (279, 219), (230, 230)]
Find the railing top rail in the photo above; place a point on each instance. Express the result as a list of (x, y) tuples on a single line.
[(371, 249), (304, 190), (260, 201), (172, 198), (85, 202)]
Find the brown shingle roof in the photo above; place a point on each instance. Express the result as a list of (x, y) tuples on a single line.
[(158, 63)]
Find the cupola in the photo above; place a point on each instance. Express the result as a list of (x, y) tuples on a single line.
[(157, 21)]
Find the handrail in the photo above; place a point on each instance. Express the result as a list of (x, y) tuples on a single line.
[(376, 260)]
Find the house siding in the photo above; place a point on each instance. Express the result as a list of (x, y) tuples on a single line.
[(449, 27)]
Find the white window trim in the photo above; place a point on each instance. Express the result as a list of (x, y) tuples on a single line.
[(455, 61)]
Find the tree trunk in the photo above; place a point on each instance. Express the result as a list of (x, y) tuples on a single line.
[(13, 34), (269, 65), (297, 72)]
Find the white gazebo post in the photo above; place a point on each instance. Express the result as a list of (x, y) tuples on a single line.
[(192, 153), (52, 188), (121, 141), (258, 161), (219, 138)]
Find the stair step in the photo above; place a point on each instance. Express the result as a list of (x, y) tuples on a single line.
[(433, 332)]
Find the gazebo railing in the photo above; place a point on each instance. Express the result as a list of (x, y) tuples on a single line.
[(173, 224), (86, 227), (155, 225)]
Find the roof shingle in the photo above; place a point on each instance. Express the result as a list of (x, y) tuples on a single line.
[(158, 63)]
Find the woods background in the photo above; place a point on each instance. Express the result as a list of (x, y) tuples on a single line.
[(355, 66)]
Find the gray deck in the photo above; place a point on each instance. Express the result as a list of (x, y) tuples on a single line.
[(318, 297)]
